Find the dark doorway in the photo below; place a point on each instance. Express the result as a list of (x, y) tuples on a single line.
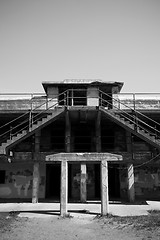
[(97, 181), (53, 173), (113, 181)]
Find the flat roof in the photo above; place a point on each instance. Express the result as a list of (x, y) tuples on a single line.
[(84, 82)]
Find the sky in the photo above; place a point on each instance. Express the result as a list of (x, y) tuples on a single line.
[(53, 40)]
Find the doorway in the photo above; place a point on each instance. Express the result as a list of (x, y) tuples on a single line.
[(113, 181), (53, 174)]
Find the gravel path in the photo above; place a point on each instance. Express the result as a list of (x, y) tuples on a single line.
[(78, 227)]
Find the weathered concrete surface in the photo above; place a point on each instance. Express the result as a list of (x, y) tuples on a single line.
[(39, 209)]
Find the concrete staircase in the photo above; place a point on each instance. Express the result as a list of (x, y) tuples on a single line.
[(148, 134), (37, 125)]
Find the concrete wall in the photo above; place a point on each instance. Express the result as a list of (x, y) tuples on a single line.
[(18, 181), (52, 95), (147, 182), (92, 96), (23, 104), (137, 101)]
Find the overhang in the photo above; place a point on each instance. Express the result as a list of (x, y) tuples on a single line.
[(81, 82)]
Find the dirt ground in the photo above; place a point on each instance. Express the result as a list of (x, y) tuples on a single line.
[(80, 226)]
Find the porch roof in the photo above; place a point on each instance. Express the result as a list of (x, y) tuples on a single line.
[(83, 157)]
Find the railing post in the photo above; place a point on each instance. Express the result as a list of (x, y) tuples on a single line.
[(134, 101), (155, 131), (72, 102), (30, 115), (46, 102), (67, 98), (30, 120), (10, 133)]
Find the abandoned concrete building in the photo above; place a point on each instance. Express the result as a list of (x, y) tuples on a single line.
[(73, 135)]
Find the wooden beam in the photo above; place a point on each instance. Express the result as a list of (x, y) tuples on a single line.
[(64, 189), (130, 178), (83, 183), (104, 188)]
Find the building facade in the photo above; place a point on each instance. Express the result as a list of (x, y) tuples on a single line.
[(81, 121)]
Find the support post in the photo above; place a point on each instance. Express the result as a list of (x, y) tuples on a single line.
[(64, 189), (83, 184), (35, 187), (98, 132), (104, 188), (68, 133), (36, 174), (129, 142), (131, 190)]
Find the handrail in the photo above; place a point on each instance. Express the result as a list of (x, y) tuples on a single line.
[(27, 120), (130, 108), (67, 100), (135, 114)]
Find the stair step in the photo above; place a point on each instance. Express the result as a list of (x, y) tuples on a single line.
[(2, 150), (39, 123), (8, 141), (44, 120), (34, 126), (24, 132), (3, 144)]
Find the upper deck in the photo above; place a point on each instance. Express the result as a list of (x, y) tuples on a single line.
[(80, 92)]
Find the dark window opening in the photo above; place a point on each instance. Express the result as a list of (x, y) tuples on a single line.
[(82, 139), (2, 176), (73, 97)]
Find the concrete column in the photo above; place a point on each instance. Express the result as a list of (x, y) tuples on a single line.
[(35, 187), (98, 132), (83, 184), (104, 188), (68, 134), (36, 174), (129, 141), (64, 189), (131, 190)]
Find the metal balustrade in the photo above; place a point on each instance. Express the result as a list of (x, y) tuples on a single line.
[(78, 97)]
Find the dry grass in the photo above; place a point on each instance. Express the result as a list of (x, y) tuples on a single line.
[(6, 219), (147, 224)]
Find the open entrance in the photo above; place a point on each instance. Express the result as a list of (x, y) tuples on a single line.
[(53, 181), (113, 182), (53, 174)]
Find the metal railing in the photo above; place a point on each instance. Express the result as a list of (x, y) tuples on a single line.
[(77, 97), (139, 101), (27, 119), (135, 117)]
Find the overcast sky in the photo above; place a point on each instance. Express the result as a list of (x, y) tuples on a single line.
[(51, 40)]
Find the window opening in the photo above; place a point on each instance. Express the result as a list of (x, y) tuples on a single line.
[(2, 176)]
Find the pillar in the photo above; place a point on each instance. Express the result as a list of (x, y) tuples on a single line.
[(104, 188), (129, 142), (98, 132), (64, 189), (130, 178), (83, 184), (68, 133), (36, 174), (35, 187)]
